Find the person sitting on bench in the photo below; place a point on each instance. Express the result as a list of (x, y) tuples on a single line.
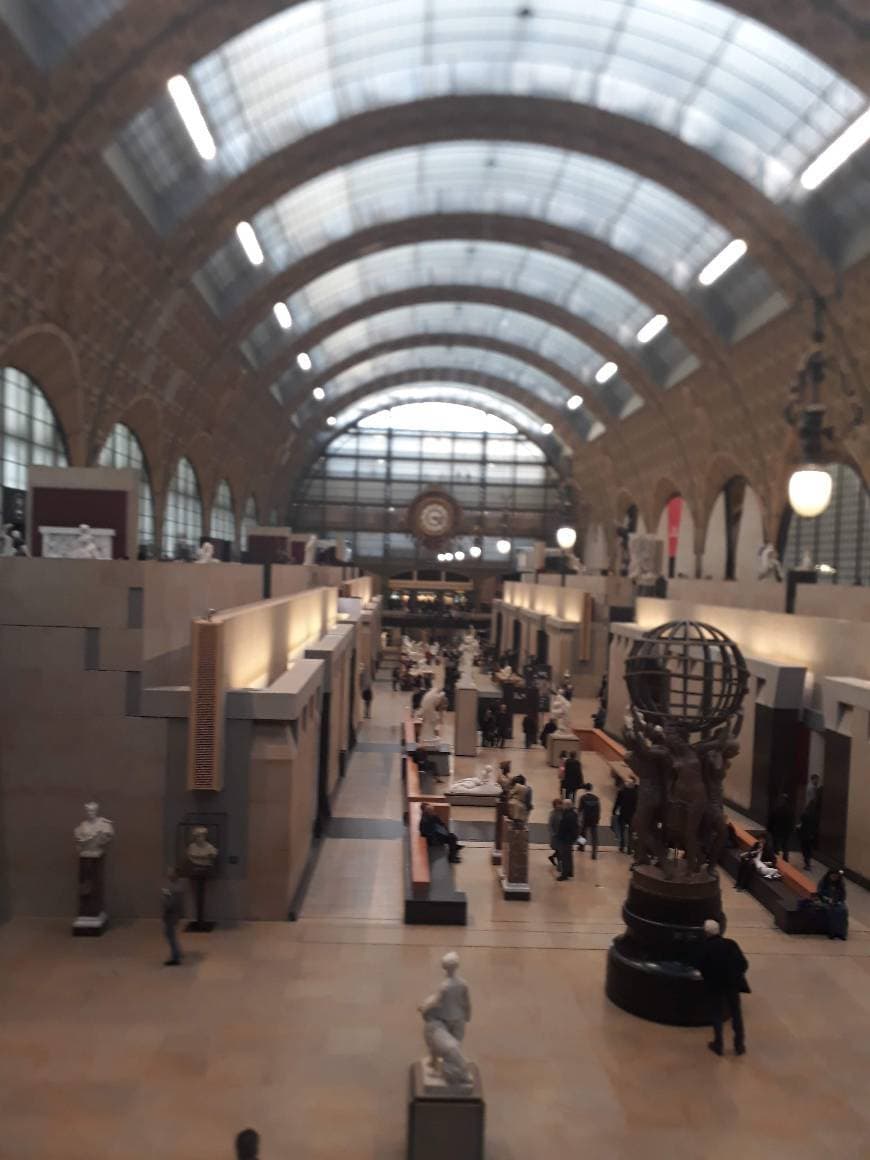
[(436, 833)]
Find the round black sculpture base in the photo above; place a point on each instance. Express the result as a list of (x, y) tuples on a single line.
[(649, 968)]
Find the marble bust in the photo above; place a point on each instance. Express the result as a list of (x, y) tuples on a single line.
[(206, 555), (201, 854), (445, 1015), (93, 834)]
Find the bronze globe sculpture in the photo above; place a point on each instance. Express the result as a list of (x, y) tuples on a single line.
[(686, 684)]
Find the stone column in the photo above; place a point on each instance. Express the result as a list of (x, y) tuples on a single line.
[(465, 721)]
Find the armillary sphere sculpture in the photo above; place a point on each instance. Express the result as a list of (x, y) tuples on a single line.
[(686, 684)]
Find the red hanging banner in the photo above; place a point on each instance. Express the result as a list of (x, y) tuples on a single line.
[(675, 514)]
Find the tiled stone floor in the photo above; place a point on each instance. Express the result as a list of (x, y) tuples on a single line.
[(305, 1031)]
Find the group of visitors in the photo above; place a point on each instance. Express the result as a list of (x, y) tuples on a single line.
[(573, 827)]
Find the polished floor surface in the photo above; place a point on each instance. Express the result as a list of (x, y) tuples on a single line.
[(305, 1031)]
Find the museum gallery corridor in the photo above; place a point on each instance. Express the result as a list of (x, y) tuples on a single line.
[(306, 1030)]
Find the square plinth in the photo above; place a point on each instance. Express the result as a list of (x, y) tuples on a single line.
[(444, 1121)]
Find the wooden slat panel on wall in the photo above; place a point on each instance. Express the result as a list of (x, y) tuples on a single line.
[(205, 742)]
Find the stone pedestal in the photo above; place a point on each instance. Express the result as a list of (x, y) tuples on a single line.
[(559, 741), (498, 834), (198, 879), (649, 967), (515, 875), (444, 1121), (92, 918), (465, 724)]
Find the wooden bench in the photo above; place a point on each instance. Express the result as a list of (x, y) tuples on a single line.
[(780, 896), (431, 896)]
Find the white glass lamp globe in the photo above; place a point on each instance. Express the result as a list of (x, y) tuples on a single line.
[(475, 551), (460, 555), (503, 546), (809, 491), (566, 538), (448, 556)]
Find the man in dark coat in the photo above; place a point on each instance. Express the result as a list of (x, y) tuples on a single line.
[(436, 833), (723, 967), (780, 825), (623, 814), (571, 778), (590, 815), (567, 833), (810, 821)]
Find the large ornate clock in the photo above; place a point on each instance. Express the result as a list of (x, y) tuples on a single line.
[(433, 517)]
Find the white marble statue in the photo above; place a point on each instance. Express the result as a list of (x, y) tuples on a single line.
[(310, 556), (201, 854), (445, 1015), (85, 547), (644, 558), (769, 567), (206, 555), (432, 708), (19, 548), (485, 783), (7, 546), (806, 562), (93, 834), (560, 708)]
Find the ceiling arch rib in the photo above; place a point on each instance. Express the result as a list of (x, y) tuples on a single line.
[(724, 84), (581, 274), (535, 387), (403, 340), (553, 316), (660, 229)]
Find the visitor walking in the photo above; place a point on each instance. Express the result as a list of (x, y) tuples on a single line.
[(566, 835), (590, 816), (810, 821), (623, 814), (553, 829), (173, 912), (780, 825), (723, 967), (365, 685), (571, 778), (530, 729), (504, 724), (248, 1145), (397, 678)]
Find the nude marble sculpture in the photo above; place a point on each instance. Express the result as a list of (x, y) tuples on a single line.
[(445, 1015)]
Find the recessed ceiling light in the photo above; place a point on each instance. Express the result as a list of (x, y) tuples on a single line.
[(546, 428), (650, 329), (319, 393), (606, 372), (838, 152), (281, 312), (331, 421), (574, 402), (248, 239), (723, 261), (191, 114), (303, 361)]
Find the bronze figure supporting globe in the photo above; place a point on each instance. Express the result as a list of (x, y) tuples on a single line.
[(686, 683)]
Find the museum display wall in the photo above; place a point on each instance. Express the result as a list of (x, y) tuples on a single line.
[(94, 665)]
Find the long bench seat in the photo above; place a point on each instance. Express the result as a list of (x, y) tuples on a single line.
[(431, 896), (779, 895)]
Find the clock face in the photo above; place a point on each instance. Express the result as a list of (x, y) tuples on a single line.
[(434, 518)]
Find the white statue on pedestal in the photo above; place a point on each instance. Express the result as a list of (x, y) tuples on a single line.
[(206, 555), (560, 708), (644, 558), (769, 567), (310, 556), (445, 1015), (201, 854), (432, 713), (85, 547), (94, 834), (485, 783)]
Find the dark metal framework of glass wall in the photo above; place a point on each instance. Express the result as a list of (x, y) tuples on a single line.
[(362, 487), (839, 537)]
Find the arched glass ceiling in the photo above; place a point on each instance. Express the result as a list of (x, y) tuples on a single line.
[(721, 82), (477, 320), (641, 218), (48, 29), (441, 417), (457, 394), (445, 360), (586, 293)]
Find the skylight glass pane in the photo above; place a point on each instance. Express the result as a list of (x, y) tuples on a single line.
[(316, 63)]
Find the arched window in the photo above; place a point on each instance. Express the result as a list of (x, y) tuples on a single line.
[(123, 449), (837, 542), (29, 431), (249, 521), (182, 519), (223, 518)]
